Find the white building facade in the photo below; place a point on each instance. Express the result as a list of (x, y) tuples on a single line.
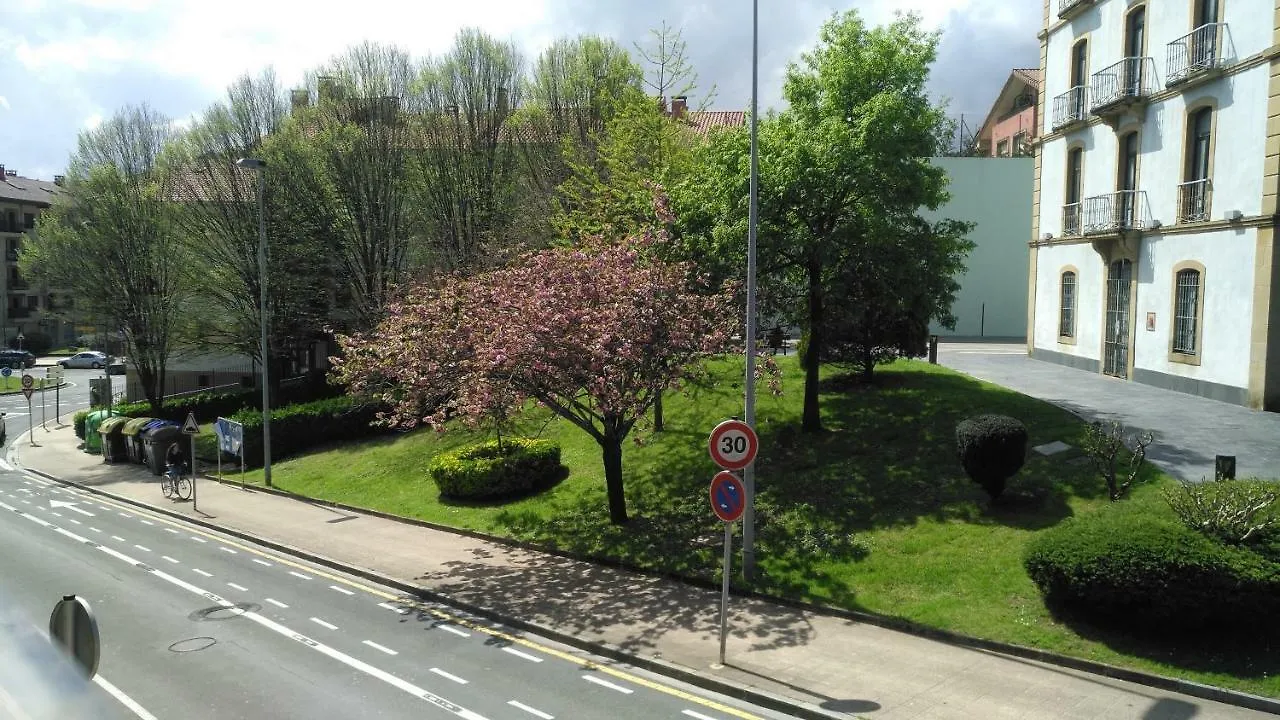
[(1153, 222)]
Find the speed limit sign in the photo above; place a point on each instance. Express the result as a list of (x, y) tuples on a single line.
[(733, 445)]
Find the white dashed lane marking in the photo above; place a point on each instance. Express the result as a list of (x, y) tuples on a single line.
[(198, 539), (227, 550), (454, 630), (606, 683), (383, 648), (299, 575), (342, 590), (171, 530), (143, 549), (201, 572), (448, 676), (393, 608), (324, 624), (241, 588), (531, 710), (277, 603), (522, 654), (262, 562), (166, 557), (697, 715)]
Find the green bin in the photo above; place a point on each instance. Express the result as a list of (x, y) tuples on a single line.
[(93, 440)]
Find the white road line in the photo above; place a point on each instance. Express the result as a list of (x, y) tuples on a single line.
[(198, 539), (349, 661), (394, 608), (299, 575), (342, 590), (227, 550), (143, 549), (125, 515), (117, 537), (241, 588), (383, 648), (262, 562), (125, 700), (277, 603), (522, 654), (56, 513), (454, 630), (27, 502), (74, 521), (449, 676), (94, 529), (171, 530), (324, 624), (146, 522), (531, 710), (198, 570), (606, 683), (697, 715), (166, 557)]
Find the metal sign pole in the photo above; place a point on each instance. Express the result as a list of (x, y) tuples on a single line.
[(30, 434), (44, 414), (57, 400), (193, 471), (724, 588)]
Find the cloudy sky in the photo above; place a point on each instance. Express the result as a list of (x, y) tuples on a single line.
[(66, 64)]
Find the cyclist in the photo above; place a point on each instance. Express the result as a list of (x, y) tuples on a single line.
[(176, 463)]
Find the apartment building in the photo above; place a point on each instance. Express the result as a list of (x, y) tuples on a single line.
[(1153, 240), (27, 307)]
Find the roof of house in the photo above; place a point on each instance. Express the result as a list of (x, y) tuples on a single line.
[(704, 121), (1019, 80), (15, 188), (1031, 76)]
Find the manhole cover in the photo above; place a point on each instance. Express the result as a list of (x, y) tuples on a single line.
[(194, 644), (221, 612)]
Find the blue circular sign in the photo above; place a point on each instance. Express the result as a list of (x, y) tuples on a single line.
[(728, 496), (6, 372)]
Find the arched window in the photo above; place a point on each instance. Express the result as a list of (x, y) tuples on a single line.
[(1067, 303), (1188, 296)]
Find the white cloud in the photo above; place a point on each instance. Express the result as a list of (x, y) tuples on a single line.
[(4, 102)]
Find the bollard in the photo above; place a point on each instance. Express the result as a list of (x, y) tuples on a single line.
[(1224, 467), (933, 349)]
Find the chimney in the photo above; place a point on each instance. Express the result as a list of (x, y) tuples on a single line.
[(503, 103), (327, 85), (679, 107), (59, 180), (299, 98)]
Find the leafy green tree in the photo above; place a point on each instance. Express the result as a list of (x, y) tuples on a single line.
[(847, 158), (111, 239)]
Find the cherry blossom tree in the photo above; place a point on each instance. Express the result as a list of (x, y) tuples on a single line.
[(594, 333)]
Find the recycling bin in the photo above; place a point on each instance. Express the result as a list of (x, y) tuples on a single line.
[(132, 432), (92, 438), (114, 448), (156, 444)]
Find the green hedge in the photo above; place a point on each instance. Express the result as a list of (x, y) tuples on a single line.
[(489, 471), (1151, 571), (77, 421), (210, 405), (301, 426)]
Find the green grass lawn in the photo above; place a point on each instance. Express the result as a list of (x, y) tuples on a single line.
[(13, 383), (874, 514)]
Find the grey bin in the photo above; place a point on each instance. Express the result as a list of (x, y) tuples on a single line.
[(115, 447), (155, 445)]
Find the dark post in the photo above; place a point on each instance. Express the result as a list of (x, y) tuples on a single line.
[(933, 349), (1224, 467)]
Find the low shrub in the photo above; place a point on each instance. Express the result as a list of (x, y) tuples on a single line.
[(1107, 443), (492, 470), (302, 426), (212, 404), (1150, 571), (77, 421), (1234, 512), (992, 448)]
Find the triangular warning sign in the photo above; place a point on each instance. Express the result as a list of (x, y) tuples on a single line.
[(191, 427)]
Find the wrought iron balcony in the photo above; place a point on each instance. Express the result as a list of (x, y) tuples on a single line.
[(1070, 108), (1115, 212), (1196, 53), (1071, 220), (1070, 8), (1193, 200), (1125, 83)]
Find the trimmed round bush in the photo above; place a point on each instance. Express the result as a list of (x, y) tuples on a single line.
[(1152, 571), (992, 449), (489, 471)]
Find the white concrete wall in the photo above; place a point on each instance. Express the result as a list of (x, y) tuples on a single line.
[(994, 193), (1228, 257), (1090, 299)]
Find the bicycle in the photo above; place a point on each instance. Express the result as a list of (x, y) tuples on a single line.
[(176, 483)]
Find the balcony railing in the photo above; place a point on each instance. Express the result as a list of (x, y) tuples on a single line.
[(1071, 220), (1193, 200), (1115, 212), (1070, 108), (1196, 52), (1069, 8), (1124, 83)]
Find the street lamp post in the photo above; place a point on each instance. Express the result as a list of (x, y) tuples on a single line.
[(261, 167), (748, 474)]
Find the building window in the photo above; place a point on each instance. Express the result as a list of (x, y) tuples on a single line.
[(1195, 190), (33, 302), (1020, 144), (1002, 148), (1187, 297), (1067, 317), (1127, 182), (29, 220), (1075, 191)]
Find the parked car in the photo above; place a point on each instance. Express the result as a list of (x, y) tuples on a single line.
[(17, 359), (91, 359)]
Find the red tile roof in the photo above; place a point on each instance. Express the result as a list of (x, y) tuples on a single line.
[(1032, 76), (704, 121)]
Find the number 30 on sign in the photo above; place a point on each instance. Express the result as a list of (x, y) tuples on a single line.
[(733, 445)]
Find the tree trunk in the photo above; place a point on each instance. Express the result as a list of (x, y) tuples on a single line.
[(657, 412), (612, 450), (812, 420)]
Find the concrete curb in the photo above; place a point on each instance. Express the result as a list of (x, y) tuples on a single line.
[(755, 696), (1139, 677)]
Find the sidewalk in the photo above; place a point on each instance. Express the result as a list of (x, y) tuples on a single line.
[(847, 668)]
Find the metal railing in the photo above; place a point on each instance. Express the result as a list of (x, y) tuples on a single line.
[(1066, 7), (1195, 52), (1070, 107), (1115, 212), (1125, 81), (1193, 200), (1071, 220)]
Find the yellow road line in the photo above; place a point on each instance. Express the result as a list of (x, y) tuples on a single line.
[(311, 568)]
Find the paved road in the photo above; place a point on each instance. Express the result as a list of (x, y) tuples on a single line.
[(200, 625), (66, 401)]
